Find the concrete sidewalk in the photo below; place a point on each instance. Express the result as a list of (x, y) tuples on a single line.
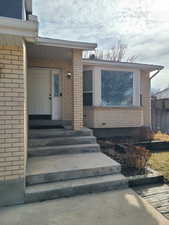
[(110, 208)]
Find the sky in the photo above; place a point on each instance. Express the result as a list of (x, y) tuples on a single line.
[(143, 25)]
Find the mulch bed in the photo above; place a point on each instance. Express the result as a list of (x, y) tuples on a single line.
[(126, 171), (136, 176), (133, 159)]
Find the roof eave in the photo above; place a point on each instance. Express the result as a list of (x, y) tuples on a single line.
[(65, 43), (17, 27), (140, 66)]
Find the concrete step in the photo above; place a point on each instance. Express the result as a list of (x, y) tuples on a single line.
[(58, 141), (69, 188), (48, 122), (64, 149), (69, 166), (44, 123), (45, 133)]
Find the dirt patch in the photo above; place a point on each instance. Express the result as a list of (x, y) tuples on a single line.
[(160, 161)]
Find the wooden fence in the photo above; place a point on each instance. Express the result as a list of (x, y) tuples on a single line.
[(160, 115)]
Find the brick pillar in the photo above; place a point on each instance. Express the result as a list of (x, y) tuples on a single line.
[(77, 84), (12, 148)]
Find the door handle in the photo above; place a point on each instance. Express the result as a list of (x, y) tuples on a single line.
[(61, 94), (50, 97)]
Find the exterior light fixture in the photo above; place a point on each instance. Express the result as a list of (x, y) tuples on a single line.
[(69, 75)]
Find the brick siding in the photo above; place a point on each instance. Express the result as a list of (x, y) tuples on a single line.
[(11, 113), (77, 83)]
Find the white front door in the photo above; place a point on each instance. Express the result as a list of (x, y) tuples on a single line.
[(39, 90), (56, 95)]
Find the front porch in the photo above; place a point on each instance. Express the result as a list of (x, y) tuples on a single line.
[(66, 160), (54, 86), (47, 164)]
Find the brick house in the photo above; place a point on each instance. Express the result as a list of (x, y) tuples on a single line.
[(45, 83)]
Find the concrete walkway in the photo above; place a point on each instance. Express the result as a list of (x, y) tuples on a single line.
[(110, 208), (157, 195)]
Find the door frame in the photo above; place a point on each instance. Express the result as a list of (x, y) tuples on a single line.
[(51, 73)]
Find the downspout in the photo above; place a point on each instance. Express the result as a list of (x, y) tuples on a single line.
[(158, 70)]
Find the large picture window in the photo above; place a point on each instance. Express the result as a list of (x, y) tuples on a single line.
[(87, 88), (116, 88)]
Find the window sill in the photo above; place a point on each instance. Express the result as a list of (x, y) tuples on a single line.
[(116, 107)]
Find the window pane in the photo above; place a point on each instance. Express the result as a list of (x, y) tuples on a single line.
[(87, 81), (56, 85), (117, 88), (87, 99)]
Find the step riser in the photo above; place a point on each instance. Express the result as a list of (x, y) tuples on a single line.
[(45, 122), (68, 175), (62, 141), (79, 190), (56, 133), (70, 150)]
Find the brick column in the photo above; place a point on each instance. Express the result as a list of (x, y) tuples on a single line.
[(12, 154), (77, 84)]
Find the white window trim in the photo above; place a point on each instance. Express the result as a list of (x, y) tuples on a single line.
[(96, 78), (96, 87), (136, 86)]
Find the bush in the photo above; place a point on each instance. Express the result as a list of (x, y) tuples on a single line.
[(136, 156), (130, 156)]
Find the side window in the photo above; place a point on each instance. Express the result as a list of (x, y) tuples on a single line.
[(56, 85), (87, 88)]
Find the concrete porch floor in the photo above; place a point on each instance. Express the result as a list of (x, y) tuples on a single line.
[(109, 208)]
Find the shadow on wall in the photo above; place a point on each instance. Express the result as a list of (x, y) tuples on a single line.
[(124, 135)]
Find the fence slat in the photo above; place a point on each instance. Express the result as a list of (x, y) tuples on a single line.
[(160, 115)]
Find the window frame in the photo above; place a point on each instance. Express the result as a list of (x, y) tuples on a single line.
[(89, 92), (136, 86), (132, 86), (96, 79)]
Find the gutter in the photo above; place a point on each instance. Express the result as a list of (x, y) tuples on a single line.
[(144, 67)]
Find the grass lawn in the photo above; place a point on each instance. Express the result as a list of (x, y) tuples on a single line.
[(160, 162), (160, 136)]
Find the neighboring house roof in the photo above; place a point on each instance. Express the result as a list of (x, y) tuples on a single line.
[(99, 62), (65, 44), (162, 94)]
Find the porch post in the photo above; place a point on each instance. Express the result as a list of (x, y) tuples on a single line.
[(77, 90)]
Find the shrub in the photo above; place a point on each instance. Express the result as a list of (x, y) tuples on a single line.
[(130, 156)]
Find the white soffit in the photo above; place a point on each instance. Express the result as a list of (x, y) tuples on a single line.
[(48, 52)]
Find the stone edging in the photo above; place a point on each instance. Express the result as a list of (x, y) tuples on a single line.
[(154, 145), (153, 177)]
